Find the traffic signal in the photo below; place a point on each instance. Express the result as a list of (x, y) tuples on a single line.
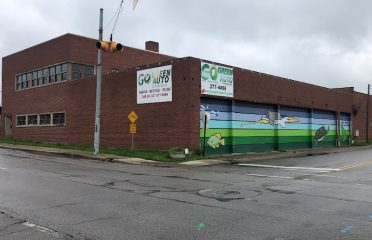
[(109, 46), (116, 47)]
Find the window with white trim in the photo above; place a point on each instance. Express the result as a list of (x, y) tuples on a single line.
[(21, 120), (32, 120), (53, 74), (58, 118), (42, 119)]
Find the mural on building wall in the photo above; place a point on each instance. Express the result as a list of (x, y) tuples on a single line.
[(321, 134), (216, 140), (344, 132), (245, 127), (206, 109), (273, 118), (345, 129)]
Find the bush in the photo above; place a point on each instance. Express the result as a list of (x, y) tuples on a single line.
[(176, 149)]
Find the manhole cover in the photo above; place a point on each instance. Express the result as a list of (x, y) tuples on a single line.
[(227, 195)]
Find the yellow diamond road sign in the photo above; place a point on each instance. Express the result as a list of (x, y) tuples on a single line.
[(132, 117)]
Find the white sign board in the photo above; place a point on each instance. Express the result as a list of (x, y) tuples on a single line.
[(217, 80), (154, 85)]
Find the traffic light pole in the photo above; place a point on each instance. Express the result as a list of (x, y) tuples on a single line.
[(98, 88), (367, 117)]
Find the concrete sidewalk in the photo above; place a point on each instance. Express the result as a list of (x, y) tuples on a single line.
[(250, 157), (225, 159), (258, 156), (78, 154)]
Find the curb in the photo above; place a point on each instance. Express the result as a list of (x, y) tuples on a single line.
[(294, 154), (52, 151), (202, 163), (244, 158), (102, 157)]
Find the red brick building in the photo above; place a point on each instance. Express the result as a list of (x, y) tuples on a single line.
[(49, 96)]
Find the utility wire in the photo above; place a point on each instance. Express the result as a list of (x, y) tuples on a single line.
[(112, 18), (120, 9), (116, 14)]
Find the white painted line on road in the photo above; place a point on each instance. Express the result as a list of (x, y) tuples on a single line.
[(5, 169), (324, 175), (281, 177), (291, 168), (268, 176), (41, 229)]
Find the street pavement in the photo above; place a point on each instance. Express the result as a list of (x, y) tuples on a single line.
[(314, 197)]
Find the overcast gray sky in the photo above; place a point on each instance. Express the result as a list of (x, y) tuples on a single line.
[(323, 42)]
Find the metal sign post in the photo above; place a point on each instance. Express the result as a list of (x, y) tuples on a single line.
[(206, 117), (132, 141), (205, 131), (132, 131)]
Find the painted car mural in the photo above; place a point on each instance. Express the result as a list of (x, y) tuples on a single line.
[(216, 140)]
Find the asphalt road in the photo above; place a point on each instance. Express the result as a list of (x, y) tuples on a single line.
[(317, 197)]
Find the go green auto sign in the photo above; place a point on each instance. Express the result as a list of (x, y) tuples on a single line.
[(154, 85), (217, 80)]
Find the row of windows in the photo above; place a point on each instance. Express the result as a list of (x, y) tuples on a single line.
[(44, 76), (53, 74), (44, 119), (80, 71)]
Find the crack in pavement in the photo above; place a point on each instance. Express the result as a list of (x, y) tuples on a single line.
[(59, 205), (149, 192), (110, 170), (10, 225), (26, 226), (15, 232), (114, 216)]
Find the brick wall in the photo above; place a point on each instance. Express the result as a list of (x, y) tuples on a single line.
[(68, 47), (77, 98), (263, 88), (160, 125), (254, 86), (359, 117)]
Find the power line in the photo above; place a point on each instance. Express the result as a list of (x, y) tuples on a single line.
[(112, 18), (108, 24), (120, 9)]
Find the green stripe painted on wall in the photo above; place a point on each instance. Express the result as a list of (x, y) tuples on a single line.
[(253, 148), (297, 145), (285, 127), (268, 140), (259, 133), (263, 147)]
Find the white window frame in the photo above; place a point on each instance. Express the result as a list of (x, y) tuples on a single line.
[(38, 120), (23, 115), (69, 75)]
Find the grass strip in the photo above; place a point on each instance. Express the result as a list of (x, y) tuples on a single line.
[(161, 156)]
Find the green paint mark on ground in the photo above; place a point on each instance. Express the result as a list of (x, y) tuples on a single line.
[(200, 226)]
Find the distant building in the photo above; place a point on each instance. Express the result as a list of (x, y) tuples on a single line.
[(49, 96)]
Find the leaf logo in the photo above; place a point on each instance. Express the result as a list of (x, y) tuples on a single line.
[(214, 73), (205, 72)]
